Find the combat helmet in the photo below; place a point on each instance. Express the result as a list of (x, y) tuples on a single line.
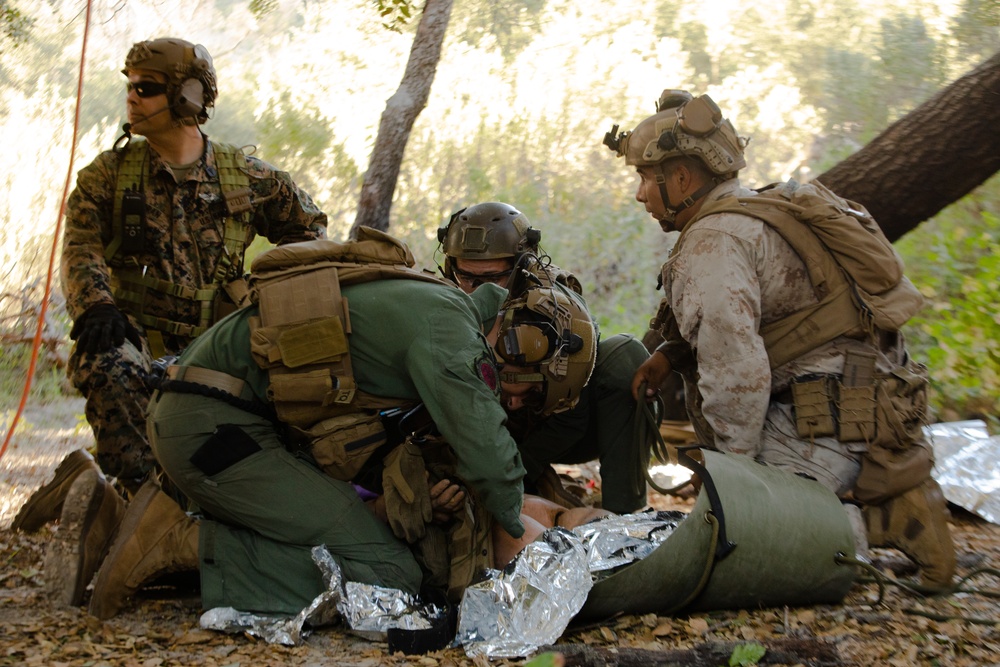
[(683, 125), (191, 83), (491, 230), (548, 330)]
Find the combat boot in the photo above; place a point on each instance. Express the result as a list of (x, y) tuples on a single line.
[(46, 503), (155, 537), (915, 522), (91, 513)]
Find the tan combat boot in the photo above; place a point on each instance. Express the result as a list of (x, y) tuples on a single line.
[(155, 537), (91, 513), (46, 503), (915, 522)]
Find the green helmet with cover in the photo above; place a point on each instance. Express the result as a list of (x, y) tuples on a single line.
[(490, 230), (548, 331), (683, 125), (191, 82)]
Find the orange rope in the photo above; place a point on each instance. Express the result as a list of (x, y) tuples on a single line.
[(36, 344)]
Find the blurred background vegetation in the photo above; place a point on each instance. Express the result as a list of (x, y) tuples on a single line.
[(524, 93)]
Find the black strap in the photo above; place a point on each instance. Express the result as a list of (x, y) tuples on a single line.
[(439, 635), (724, 546)]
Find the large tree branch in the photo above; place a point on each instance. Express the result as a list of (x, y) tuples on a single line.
[(931, 157), (400, 113)]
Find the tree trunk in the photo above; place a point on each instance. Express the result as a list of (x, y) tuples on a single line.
[(401, 111), (929, 158)]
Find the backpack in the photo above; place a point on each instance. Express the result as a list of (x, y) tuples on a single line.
[(300, 335), (855, 272)]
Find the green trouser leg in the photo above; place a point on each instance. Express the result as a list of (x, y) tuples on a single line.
[(268, 508), (601, 426)]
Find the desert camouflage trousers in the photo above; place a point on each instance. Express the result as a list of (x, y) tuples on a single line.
[(115, 385)]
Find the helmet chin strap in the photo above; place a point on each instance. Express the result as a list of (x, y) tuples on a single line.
[(670, 215)]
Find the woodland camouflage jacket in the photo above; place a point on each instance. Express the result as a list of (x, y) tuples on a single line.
[(184, 227)]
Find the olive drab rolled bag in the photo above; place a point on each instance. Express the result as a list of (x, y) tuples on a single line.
[(757, 537)]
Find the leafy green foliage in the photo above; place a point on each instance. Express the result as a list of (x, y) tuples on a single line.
[(15, 25), (955, 261), (746, 655), (395, 13)]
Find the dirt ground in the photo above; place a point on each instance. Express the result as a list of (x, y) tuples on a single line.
[(162, 628)]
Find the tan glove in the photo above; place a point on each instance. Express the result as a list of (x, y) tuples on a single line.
[(407, 496)]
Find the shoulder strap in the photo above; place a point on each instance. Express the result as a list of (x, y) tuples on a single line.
[(130, 177), (837, 312), (231, 164)]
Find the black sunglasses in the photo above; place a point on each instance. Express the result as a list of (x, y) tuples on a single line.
[(146, 88), (477, 279)]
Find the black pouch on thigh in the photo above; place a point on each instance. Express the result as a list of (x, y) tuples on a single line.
[(229, 445)]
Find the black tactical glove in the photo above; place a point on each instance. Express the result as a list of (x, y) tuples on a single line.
[(102, 327), (407, 495)]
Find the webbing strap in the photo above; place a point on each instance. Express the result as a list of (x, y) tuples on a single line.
[(130, 173), (130, 288), (207, 377), (231, 165), (133, 283)]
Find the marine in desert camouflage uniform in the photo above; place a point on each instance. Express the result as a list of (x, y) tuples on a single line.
[(119, 330), (728, 276)]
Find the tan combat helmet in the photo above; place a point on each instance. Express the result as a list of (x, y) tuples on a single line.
[(548, 330), (191, 84), (682, 126), (491, 230)]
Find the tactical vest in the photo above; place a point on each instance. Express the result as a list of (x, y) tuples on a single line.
[(130, 286), (300, 336)]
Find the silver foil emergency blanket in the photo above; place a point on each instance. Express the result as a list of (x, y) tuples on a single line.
[(966, 466)]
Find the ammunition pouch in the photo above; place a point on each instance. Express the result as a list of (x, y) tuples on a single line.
[(884, 410), (899, 458), (234, 295)]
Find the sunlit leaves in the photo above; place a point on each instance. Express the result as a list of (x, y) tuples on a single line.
[(395, 13), (15, 25)]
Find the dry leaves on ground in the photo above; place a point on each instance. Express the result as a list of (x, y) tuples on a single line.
[(162, 628)]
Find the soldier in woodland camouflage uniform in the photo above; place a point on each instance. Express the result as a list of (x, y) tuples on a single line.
[(728, 277), (144, 272)]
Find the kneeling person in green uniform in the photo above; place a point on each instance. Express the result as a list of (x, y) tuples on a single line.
[(493, 242), (243, 423)]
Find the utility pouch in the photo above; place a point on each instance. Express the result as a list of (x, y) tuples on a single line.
[(812, 398), (856, 398), (342, 445), (901, 406), (886, 473), (133, 221), (234, 295)]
